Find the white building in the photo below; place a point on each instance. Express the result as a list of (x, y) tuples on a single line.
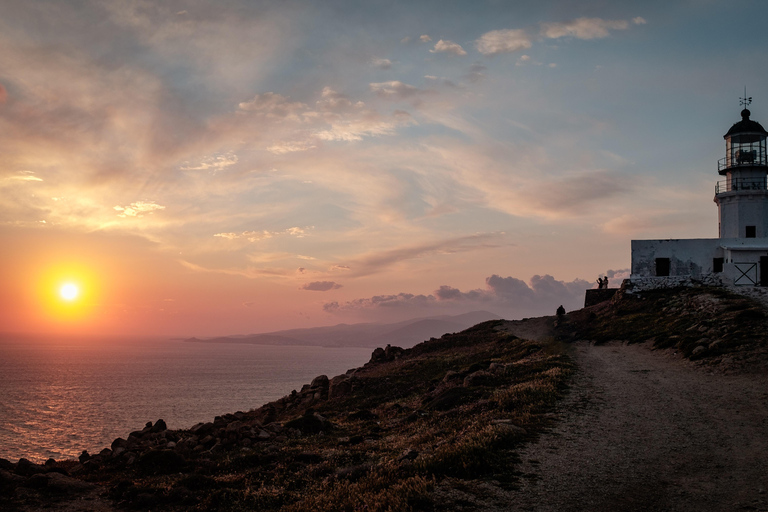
[(740, 255)]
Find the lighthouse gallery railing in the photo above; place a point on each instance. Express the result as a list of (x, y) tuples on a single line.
[(735, 184)]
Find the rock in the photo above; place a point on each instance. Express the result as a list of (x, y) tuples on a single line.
[(449, 399), (508, 427), (391, 353), (56, 482), (119, 443), (234, 426), (26, 468), (451, 375), (310, 423), (363, 414), (202, 429), (263, 435), (339, 386), (699, 350), (478, 378), (105, 453), (6, 478), (321, 381), (156, 462), (378, 355), (158, 427), (6, 464), (409, 454)]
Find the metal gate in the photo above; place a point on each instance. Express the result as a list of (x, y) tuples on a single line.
[(746, 274)]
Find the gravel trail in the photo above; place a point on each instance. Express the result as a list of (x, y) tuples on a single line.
[(645, 430)]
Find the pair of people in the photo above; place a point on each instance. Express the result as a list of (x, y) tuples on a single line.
[(602, 282)]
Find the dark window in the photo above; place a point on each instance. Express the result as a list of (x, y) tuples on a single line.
[(717, 264), (662, 267), (751, 232)]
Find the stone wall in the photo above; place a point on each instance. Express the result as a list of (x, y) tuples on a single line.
[(639, 284), (598, 295)]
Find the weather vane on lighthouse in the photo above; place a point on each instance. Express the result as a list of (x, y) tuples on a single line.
[(745, 101)]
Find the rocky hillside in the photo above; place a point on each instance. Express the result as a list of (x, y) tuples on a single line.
[(428, 428), (715, 327), (402, 432)]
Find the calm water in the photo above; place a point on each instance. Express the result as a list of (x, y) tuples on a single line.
[(58, 398)]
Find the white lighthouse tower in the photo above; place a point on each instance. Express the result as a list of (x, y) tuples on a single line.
[(740, 255), (742, 198)]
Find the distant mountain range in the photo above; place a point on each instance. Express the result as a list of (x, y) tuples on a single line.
[(402, 334)]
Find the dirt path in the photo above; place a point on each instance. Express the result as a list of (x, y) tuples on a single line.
[(643, 430)]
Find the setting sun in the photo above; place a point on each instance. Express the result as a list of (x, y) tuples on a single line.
[(69, 291)]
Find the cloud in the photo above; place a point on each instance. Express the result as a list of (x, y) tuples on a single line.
[(397, 301), (255, 236), (321, 286), (381, 63), (3, 94), (583, 28), (503, 41), (425, 38), (281, 148), (639, 20), (378, 261), (445, 46), (395, 89), (214, 163), (333, 101), (138, 209), (24, 176), (476, 73), (273, 105), (367, 123), (541, 295)]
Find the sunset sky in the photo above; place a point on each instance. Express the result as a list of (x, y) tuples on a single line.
[(206, 168)]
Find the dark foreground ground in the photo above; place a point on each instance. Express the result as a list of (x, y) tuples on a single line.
[(663, 408)]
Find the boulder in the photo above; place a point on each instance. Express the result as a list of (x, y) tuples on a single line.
[(159, 426), (26, 468), (478, 378), (161, 462), (339, 386), (321, 381)]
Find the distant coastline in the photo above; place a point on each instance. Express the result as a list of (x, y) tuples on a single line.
[(363, 335)]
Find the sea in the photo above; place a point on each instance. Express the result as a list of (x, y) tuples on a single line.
[(59, 397)]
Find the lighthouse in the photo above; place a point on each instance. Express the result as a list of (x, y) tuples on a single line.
[(739, 257), (742, 197)]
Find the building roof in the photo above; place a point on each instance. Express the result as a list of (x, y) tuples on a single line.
[(746, 246), (746, 125)]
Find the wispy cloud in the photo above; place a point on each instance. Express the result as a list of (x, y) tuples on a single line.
[(382, 63), (583, 28), (255, 236), (273, 105), (138, 209), (214, 163), (503, 41), (321, 286), (379, 261), (446, 46)]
